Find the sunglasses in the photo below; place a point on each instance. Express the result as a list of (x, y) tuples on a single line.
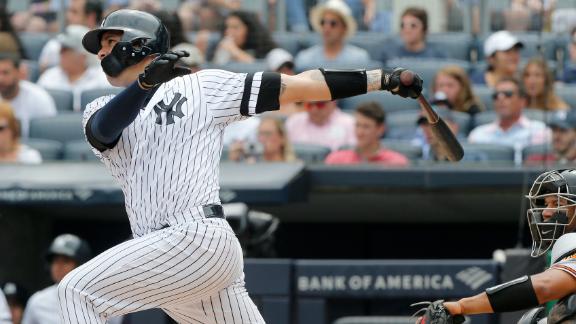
[(333, 23), (506, 93), (318, 105), (412, 25)]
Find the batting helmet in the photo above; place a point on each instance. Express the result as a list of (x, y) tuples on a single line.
[(71, 246), (561, 185), (142, 34)]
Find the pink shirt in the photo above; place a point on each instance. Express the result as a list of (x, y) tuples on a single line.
[(337, 132), (384, 157)]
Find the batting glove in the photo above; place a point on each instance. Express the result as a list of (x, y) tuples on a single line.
[(391, 81), (436, 313), (163, 69)]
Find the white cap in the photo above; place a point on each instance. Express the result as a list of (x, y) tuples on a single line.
[(500, 41), (336, 6), (277, 57), (72, 37), (564, 246)]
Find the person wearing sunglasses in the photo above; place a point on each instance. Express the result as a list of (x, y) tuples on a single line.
[(511, 127), (333, 20), (413, 30), (323, 123), (11, 150)]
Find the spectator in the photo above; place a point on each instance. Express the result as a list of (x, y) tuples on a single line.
[(502, 50), (424, 137), (11, 150), (369, 128), (66, 252), (26, 98), (281, 61), (273, 144), (511, 127), (570, 68), (79, 12), (334, 21), (413, 30), (452, 85), (323, 123), (75, 72), (539, 84), (17, 297), (563, 150), (9, 40), (244, 39)]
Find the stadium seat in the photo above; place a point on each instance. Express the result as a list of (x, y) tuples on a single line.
[(88, 96), (33, 44), (63, 127), (288, 41), (62, 98), (540, 149), (33, 69), (388, 101), (568, 93), (402, 124), (427, 68), (50, 150), (484, 94), (78, 150), (372, 42), (456, 45), (538, 114), (484, 152), (405, 147), (375, 320), (256, 66), (485, 117), (311, 153)]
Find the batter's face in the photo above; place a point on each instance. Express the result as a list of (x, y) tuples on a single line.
[(130, 74), (61, 266)]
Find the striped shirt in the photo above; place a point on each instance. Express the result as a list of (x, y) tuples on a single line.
[(166, 161)]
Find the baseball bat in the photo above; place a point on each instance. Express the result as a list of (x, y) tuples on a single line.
[(448, 146)]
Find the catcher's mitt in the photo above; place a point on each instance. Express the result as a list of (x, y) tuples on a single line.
[(436, 313)]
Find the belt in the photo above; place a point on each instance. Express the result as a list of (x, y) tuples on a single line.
[(213, 211)]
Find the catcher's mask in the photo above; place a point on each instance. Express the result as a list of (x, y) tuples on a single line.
[(561, 185)]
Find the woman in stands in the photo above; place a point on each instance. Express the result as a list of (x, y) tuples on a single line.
[(273, 144), (244, 40), (11, 150), (539, 86), (452, 86)]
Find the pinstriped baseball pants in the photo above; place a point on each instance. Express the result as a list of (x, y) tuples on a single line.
[(192, 271)]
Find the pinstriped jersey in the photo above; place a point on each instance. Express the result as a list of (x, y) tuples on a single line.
[(167, 160)]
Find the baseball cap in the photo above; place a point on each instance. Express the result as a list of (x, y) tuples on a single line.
[(278, 57), (442, 112), (563, 120), (194, 59), (72, 37), (15, 293), (500, 41)]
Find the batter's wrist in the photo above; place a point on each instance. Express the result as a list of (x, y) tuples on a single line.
[(144, 86)]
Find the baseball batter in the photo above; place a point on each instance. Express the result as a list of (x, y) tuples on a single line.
[(161, 138)]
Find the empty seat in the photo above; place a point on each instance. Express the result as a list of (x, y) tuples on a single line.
[(88, 96), (63, 127), (539, 149), (311, 153), (456, 45), (405, 147), (50, 150), (484, 93), (78, 150), (33, 43), (484, 152), (388, 101), (32, 70), (62, 98), (568, 93), (288, 41), (427, 68), (373, 43)]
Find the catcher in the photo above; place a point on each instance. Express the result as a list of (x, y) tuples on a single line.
[(551, 215)]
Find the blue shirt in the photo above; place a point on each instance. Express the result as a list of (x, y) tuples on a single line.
[(313, 57), (399, 51)]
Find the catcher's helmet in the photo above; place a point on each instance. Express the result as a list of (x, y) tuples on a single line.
[(560, 184), (142, 34), (71, 246)]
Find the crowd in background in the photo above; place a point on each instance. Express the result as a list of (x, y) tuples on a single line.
[(497, 96)]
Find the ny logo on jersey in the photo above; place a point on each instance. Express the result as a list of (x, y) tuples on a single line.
[(169, 109)]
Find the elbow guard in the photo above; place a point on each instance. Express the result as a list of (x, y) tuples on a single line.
[(345, 83), (514, 295)]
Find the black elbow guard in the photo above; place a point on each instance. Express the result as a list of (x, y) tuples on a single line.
[(514, 295), (345, 83)]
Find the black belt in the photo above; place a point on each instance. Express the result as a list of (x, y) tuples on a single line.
[(213, 211)]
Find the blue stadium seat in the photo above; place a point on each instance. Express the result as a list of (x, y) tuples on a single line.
[(568, 93), (402, 124), (405, 147), (373, 43), (63, 127), (489, 153), (427, 68), (485, 117), (88, 96), (388, 101), (540, 149), (288, 41), (484, 94), (256, 66), (62, 98), (78, 150), (33, 43), (50, 150), (33, 70), (454, 44), (311, 153)]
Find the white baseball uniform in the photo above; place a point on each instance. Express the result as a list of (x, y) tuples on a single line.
[(166, 163), (5, 317)]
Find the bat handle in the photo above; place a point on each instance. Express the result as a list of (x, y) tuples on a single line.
[(431, 115)]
